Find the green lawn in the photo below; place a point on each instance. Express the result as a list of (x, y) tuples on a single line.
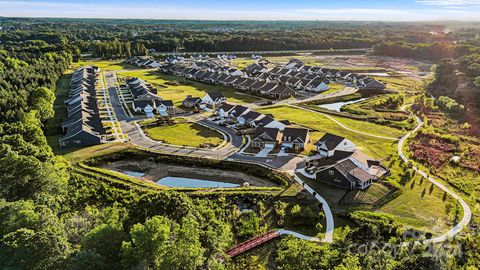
[(378, 148), (420, 206), (241, 63), (105, 65), (334, 87), (177, 89), (308, 60), (185, 134)]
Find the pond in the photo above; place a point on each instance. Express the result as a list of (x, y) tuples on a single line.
[(132, 173), (183, 182), (338, 105)]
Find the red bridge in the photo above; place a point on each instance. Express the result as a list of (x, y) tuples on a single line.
[(252, 243)]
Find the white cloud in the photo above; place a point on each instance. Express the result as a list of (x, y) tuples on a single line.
[(44, 8), (449, 3)]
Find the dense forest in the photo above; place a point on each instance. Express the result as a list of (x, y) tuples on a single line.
[(52, 217)]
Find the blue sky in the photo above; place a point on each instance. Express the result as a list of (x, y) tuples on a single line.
[(372, 10)]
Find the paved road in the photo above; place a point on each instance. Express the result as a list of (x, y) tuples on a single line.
[(467, 213)]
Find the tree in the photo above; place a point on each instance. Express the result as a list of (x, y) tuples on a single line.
[(295, 254), (28, 249), (87, 260), (105, 240), (150, 242), (43, 99), (186, 251)]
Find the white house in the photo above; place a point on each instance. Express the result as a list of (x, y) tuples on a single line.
[(317, 86), (329, 143), (164, 107), (224, 110), (214, 99)]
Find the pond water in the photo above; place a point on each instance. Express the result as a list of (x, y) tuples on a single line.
[(183, 182), (338, 105), (132, 173)]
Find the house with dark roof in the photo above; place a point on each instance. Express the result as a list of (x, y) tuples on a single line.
[(266, 138), (295, 138), (83, 125), (214, 99), (248, 118), (191, 102), (280, 92), (329, 143), (316, 86), (224, 110), (237, 111), (372, 85)]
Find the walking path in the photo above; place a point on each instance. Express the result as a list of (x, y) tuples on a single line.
[(467, 213), (342, 125), (328, 238)]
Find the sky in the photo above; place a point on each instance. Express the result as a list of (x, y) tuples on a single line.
[(332, 10)]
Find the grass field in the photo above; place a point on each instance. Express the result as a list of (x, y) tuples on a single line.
[(398, 83), (241, 63), (105, 65), (185, 134), (420, 206), (308, 60), (169, 90), (334, 87), (378, 148)]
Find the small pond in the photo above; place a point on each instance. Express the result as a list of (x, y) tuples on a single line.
[(132, 173), (183, 182), (338, 105)]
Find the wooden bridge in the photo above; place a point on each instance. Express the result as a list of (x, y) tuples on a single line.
[(252, 243)]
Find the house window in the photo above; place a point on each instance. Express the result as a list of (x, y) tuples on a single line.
[(337, 180), (77, 141), (331, 172)]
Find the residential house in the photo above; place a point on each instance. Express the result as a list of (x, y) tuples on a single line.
[(329, 143), (248, 118), (295, 138), (266, 138), (191, 102), (224, 110), (316, 86), (165, 107), (214, 99)]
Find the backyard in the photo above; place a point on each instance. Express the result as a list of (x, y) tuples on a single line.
[(186, 134)]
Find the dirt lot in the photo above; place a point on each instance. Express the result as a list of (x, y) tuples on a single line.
[(155, 171)]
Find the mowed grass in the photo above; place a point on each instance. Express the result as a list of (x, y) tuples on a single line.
[(185, 134), (421, 206), (376, 147), (308, 60), (105, 65), (334, 87), (169, 90), (242, 63)]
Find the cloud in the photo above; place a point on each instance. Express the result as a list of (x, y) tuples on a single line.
[(450, 3), (152, 10)]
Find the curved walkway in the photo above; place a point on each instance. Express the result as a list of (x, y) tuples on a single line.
[(328, 238), (467, 213), (342, 125)]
